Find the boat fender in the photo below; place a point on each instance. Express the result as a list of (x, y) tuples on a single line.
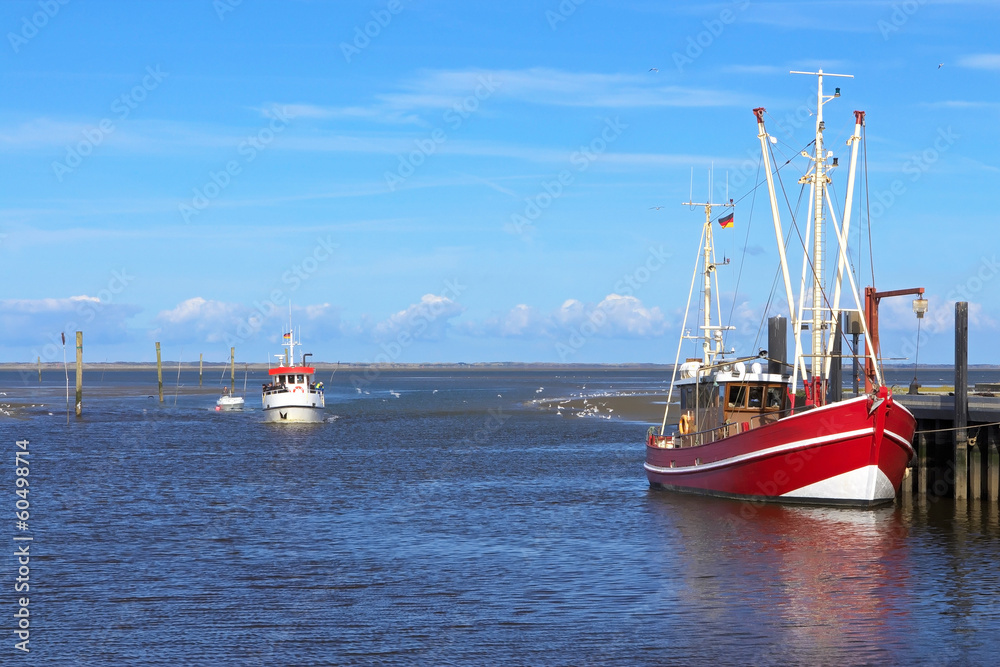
[(684, 427)]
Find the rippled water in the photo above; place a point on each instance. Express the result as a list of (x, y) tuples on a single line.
[(454, 523)]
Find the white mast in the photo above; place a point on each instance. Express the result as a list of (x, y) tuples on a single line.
[(711, 344), (819, 181)]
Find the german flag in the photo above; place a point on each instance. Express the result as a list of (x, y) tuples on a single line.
[(726, 221)]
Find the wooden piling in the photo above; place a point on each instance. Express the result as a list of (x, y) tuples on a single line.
[(159, 372), (232, 370), (975, 472), (923, 483), (993, 467), (961, 399), (79, 373), (200, 362)]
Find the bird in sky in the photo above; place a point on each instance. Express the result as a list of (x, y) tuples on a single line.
[(654, 69), (655, 207), (940, 65)]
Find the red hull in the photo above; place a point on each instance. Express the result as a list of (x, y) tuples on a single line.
[(853, 452)]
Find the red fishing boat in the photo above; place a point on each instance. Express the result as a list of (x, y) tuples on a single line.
[(740, 433)]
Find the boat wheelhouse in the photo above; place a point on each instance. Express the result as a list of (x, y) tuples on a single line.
[(292, 395)]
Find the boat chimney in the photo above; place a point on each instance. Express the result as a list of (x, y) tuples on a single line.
[(777, 345)]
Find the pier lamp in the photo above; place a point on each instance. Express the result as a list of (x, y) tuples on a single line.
[(920, 307)]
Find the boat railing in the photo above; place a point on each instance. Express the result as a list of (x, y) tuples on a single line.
[(728, 429)]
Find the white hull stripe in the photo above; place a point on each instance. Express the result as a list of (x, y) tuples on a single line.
[(770, 451), (868, 483)]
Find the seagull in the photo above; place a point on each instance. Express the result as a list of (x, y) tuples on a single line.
[(940, 65), (654, 69), (657, 208)]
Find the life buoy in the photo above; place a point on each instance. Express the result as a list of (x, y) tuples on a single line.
[(298, 389), (684, 427)]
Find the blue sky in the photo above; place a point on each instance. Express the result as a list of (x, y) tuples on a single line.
[(469, 181)]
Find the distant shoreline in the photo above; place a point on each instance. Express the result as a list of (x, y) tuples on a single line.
[(428, 367)]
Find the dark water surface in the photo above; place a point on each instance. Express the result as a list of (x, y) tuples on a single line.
[(439, 518)]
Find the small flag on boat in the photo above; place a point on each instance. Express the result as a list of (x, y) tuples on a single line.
[(726, 221), (288, 336)]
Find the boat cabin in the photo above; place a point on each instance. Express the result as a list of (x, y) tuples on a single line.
[(726, 401), (292, 379)]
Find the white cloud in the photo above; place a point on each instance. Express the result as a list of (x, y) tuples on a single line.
[(426, 320), (616, 316), (200, 319), (989, 61)]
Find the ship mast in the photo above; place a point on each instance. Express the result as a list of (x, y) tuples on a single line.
[(818, 179), (711, 337)]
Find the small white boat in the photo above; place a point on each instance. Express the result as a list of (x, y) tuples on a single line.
[(229, 401), (293, 395)]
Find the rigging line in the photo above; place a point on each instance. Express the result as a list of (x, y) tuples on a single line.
[(776, 170), (958, 428), (778, 123), (746, 240), (808, 258), (864, 143), (774, 282), (847, 245)]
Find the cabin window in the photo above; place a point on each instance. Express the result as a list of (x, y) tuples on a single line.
[(708, 395), (737, 396), (300, 378), (756, 397), (281, 379), (687, 398), (775, 395)]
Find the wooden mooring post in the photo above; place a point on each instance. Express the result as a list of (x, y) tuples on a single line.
[(961, 442), (159, 372), (992, 465), (79, 373)]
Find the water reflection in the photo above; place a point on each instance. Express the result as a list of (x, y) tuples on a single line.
[(810, 579)]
